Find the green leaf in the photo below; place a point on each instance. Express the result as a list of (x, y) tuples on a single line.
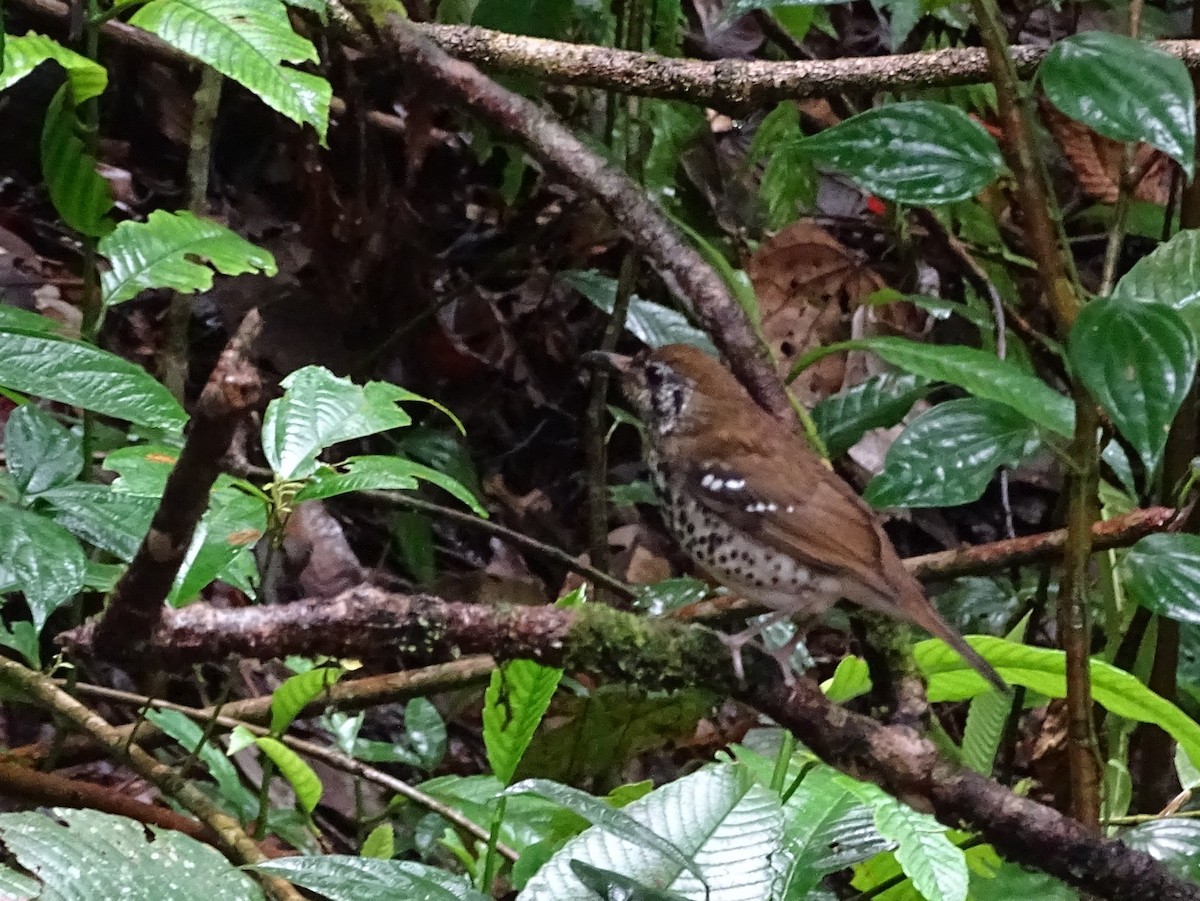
[(298, 691), (14, 319), (915, 152), (517, 696), (43, 560), (109, 519), (718, 819), (616, 822), (1125, 89), (86, 78), (85, 854), (847, 679), (651, 323), (986, 719), (300, 775), (142, 469), (936, 867), (1137, 360), (977, 371), (192, 738), (76, 189), (950, 453), (74, 373), (380, 844), (319, 409), (1173, 841), (346, 878), (1043, 670), (22, 637), (247, 41), (1170, 276), (40, 453), (535, 18), (379, 472), (878, 403), (1163, 575), (222, 545), (165, 252), (612, 886), (789, 179)]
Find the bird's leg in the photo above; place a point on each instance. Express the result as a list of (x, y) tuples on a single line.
[(739, 640)]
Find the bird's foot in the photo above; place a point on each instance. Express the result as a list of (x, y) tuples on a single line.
[(781, 655)]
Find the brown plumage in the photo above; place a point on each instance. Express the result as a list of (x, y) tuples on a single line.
[(757, 509)]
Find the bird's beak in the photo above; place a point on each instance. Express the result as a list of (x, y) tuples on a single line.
[(598, 359)]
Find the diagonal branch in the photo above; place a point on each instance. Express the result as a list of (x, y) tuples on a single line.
[(233, 389)]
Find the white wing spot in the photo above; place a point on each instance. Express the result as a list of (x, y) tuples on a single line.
[(735, 484), (791, 508), (717, 484), (707, 480)]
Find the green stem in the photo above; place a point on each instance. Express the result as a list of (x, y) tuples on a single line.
[(491, 860)]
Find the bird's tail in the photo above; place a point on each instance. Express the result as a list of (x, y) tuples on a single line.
[(925, 616)]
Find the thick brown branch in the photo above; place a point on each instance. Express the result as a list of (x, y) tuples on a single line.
[(661, 655), (233, 389), (731, 84)]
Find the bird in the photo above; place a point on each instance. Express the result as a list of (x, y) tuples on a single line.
[(757, 509)]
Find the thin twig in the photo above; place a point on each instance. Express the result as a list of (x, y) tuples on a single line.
[(327, 755), (231, 838)]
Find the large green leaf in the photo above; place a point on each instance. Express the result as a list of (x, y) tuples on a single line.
[(195, 741), (74, 373), (84, 855), (979, 372), (379, 472), (1163, 575), (319, 409), (1169, 276), (298, 691), (937, 868), (340, 877), (879, 402), (39, 452), (300, 776), (719, 818), (22, 55), (517, 697), (76, 189), (111, 520), (1138, 361), (601, 813), (222, 546), (247, 41), (42, 559), (1042, 670), (949, 453), (915, 152), (1126, 90), (163, 252), (651, 323)]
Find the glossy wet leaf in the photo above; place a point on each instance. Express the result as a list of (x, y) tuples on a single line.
[(879, 402), (1163, 575), (1125, 89), (40, 453), (916, 152), (1138, 361), (42, 560), (1170, 275), (950, 453)]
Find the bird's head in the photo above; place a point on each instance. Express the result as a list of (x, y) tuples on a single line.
[(675, 388)]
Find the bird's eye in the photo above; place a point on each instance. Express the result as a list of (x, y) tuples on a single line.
[(656, 374)]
